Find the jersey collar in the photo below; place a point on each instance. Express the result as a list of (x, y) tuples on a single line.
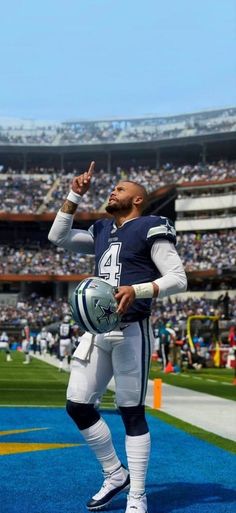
[(114, 227)]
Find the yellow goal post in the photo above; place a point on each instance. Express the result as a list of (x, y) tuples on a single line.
[(212, 321)]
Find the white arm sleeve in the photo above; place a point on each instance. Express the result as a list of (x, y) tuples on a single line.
[(173, 278), (62, 235)]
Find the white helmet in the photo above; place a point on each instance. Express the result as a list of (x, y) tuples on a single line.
[(93, 306)]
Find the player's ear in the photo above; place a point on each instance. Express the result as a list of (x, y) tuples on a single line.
[(138, 200)]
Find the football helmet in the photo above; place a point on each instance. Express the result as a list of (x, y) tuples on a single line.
[(93, 306)]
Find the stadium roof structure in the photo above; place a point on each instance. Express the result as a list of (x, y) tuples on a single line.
[(16, 121), (115, 131)]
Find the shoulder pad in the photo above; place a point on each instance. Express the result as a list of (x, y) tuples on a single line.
[(161, 228)]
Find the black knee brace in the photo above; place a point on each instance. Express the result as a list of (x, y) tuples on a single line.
[(84, 415), (134, 420)]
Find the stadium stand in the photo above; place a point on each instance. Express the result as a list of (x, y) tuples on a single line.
[(198, 251), (23, 193), (33, 193), (214, 250), (43, 261), (42, 311), (22, 132), (188, 165)]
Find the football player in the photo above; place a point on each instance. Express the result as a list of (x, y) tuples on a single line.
[(25, 333), (45, 341), (65, 341), (137, 255), (4, 344)]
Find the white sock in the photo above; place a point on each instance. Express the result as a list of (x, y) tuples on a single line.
[(98, 437), (138, 450)]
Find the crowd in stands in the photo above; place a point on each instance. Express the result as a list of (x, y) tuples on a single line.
[(37, 311), (204, 191), (40, 311), (117, 131), (53, 261), (24, 133), (215, 171), (33, 171), (95, 197), (211, 250), (180, 309), (23, 194), (45, 192), (198, 251)]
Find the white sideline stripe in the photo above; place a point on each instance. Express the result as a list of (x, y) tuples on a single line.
[(197, 408), (208, 412), (205, 411), (206, 379)]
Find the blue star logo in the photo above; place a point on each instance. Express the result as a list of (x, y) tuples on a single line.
[(106, 312)]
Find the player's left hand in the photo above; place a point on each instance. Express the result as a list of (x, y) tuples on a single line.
[(125, 297)]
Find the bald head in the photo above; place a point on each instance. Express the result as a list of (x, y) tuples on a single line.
[(140, 189), (127, 197)]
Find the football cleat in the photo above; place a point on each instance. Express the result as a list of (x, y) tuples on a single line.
[(114, 483), (136, 504)]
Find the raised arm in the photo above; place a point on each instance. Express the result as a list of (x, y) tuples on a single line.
[(61, 233), (80, 185)]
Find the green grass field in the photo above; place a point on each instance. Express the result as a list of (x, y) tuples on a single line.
[(37, 384), (212, 381), (40, 384)]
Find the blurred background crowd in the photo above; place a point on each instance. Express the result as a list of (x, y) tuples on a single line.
[(198, 251), (43, 190), (117, 130)]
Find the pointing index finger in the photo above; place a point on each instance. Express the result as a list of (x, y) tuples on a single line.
[(91, 168)]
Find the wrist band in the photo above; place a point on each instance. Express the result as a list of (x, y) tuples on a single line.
[(143, 290), (74, 197)]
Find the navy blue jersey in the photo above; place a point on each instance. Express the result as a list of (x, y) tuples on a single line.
[(123, 255), (65, 330)]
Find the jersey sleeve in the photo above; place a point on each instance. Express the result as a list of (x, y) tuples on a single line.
[(160, 228), (63, 235)]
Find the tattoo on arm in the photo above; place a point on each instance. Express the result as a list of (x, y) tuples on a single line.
[(69, 207)]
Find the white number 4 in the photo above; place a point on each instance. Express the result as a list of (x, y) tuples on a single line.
[(109, 266)]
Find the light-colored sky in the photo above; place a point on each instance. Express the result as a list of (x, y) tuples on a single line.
[(63, 59)]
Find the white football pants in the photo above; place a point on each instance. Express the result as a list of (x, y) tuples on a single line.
[(124, 354)]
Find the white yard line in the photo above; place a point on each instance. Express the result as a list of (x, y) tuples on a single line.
[(205, 411)]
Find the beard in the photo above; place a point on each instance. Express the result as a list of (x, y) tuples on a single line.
[(124, 206)]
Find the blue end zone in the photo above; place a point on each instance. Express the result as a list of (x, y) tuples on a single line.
[(186, 475)]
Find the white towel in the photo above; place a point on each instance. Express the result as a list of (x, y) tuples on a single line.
[(83, 351)]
